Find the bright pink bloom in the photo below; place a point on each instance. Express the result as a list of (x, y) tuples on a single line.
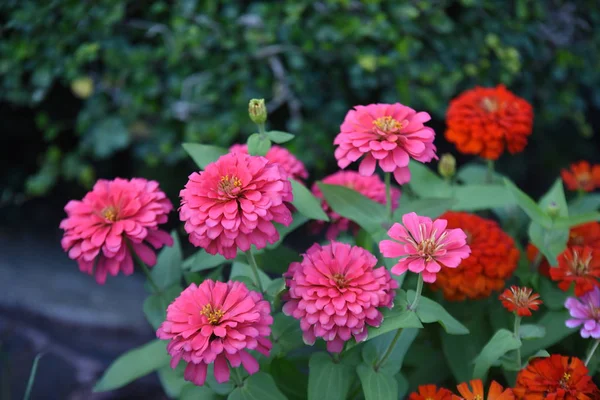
[(585, 312), (425, 245), (335, 292), (369, 186), (388, 134), (280, 155), (233, 203), (217, 322), (111, 220)]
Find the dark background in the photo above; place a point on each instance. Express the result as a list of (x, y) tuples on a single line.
[(111, 88)]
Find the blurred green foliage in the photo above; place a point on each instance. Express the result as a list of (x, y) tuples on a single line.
[(154, 74)]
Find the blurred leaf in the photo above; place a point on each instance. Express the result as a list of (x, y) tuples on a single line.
[(306, 202), (155, 305), (258, 145), (555, 197), (133, 365), (481, 197), (172, 379), (204, 154), (553, 297), (32, 375), (377, 385), (431, 208), (394, 362), (258, 386), (287, 334), (167, 270), (107, 137), (289, 378), (279, 137), (575, 220), (556, 330), (193, 392), (529, 206), (501, 343), (551, 242), (243, 270), (532, 331), (586, 204), (429, 311), (426, 183), (203, 261), (328, 380)]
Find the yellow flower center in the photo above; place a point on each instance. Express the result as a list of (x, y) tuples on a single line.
[(579, 265), (229, 183), (564, 382), (477, 397), (212, 314), (490, 104), (340, 280), (427, 248), (110, 213), (388, 124), (583, 178)]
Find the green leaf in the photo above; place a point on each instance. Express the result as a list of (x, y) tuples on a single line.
[(394, 362), (556, 330), (306, 202), (586, 204), (501, 343), (204, 154), (167, 270), (258, 145), (155, 305), (551, 242), (297, 221), (541, 353), (133, 365), (279, 136), (481, 197), (275, 288), (477, 173), (350, 204), (554, 297), (202, 261), (193, 392), (106, 137), (528, 205), (576, 220), (259, 386), (426, 183), (532, 331), (240, 269), (328, 380), (431, 208), (555, 197), (289, 378), (429, 311), (172, 379), (377, 385), (287, 335)]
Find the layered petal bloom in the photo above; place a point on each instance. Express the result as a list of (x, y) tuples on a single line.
[(495, 392), (486, 121), (282, 156), (520, 300), (431, 392), (585, 312), (218, 323), (425, 245), (579, 265), (493, 259), (114, 219), (385, 134), (557, 378), (587, 234), (581, 176), (369, 186), (335, 292), (233, 203)]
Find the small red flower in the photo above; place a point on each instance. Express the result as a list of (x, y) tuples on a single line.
[(431, 392), (495, 392), (582, 176), (580, 265), (520, 300)]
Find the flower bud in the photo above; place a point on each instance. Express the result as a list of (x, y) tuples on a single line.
[(83, 87), (552, 210), (447, 166), (257, 111)]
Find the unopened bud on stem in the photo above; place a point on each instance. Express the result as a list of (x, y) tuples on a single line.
[(257, 111), (447, 166)]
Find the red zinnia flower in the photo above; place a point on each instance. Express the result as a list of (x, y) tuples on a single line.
[(493, 259), (495, 392), (483, 121), (520, 300), (580, 265), (555, 378), (582, 176), (431, 392), (116, 218)]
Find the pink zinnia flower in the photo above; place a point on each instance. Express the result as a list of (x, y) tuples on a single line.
[(425, 245), (335, 292), (388, 134), (369, 186), (585, 311), (217, 323), (280, 155), (233, 203), (113, 219)]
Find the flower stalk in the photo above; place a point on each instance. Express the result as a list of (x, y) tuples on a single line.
[(388, 195), (517, 335), (254, 267), (389, 350), (415, 303), (591, 352)]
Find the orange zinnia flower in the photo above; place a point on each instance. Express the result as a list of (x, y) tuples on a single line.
[(496, 391), (431, 392), (556, 377), (493, 259), (587, 234), (580, 265), (520, 300), (483, 121), (582, 176)]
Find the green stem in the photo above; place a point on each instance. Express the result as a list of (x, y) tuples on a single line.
[(31, 380), (415, 302), (490, 171), (517, 335), (261, 129), (388, 194), (389, 350), (254, 266), (239, 381), (146, 272), (591, 352), (536, 262)]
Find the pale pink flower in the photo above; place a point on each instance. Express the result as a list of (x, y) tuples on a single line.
[(113, 219), (217, 323), (282, 156), (585, 312), (388, 134), (233, 203), (425, 246), (335, 292), (369, 186)]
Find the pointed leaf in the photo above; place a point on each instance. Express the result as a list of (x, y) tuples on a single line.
[(279, 136), (532, 331), (259, 386), (426, 183), (202, 261), (481, 197), (328, 380), (528, 205), (429, 311), (155, 305), (258, 145), (167, 270), (501, 343), (377, 385), (576, 220), (551, 242), (306, 202), (556, 330), (555, 197), (172, 379), (204, 154), (193, 392)]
